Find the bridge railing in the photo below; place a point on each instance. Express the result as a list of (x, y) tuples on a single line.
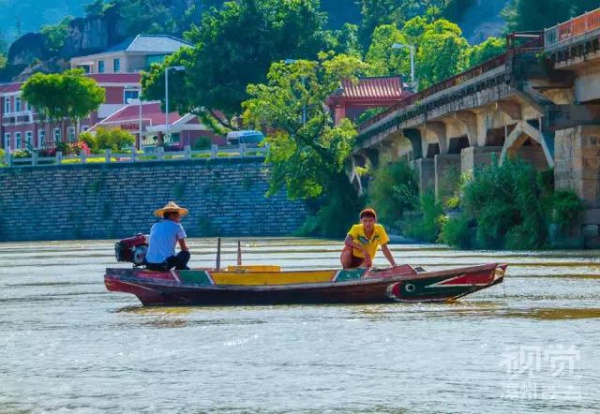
[(516, 44), (109, 157), (570, 29)]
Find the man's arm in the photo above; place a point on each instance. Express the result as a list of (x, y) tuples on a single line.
[(351, 243), (388, 254), (183, 245)]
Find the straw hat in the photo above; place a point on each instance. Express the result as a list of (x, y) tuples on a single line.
[(171, 207)]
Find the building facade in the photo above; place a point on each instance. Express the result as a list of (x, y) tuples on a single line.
[(118, 71)]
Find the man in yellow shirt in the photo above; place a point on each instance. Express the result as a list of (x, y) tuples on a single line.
[(362, 241)]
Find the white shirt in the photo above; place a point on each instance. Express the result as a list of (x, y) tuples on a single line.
[(163, 238)]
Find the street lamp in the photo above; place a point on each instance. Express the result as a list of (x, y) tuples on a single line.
[(412, 61), (303, 78), (167, 69)]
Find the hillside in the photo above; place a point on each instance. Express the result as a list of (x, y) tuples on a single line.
[(18, 17)]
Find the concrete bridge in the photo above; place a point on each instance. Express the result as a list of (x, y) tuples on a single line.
[(540, 101)]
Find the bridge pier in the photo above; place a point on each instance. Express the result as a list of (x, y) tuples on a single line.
[(447, 174), (425, 170), (472, 157)]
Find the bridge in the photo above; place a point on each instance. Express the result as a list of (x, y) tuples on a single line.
[(540, 101)]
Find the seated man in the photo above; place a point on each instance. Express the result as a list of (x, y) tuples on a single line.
[(163, 238), (361, 243)]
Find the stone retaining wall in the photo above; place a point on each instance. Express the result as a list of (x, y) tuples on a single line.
[(225, 198)]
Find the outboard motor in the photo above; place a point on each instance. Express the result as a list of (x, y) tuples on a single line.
[(132, 249)]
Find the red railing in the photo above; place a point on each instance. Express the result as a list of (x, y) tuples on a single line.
[(516, 44), (575, 27), (438, 87)]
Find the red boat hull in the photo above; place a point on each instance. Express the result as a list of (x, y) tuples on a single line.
[(401, 284)]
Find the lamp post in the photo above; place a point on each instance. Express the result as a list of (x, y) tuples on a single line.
[(167, 69), (411, 48), (303, 78)]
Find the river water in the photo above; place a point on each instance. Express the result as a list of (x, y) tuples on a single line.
[(69, 346)]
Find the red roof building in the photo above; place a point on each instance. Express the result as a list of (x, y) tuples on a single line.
[(149, 118), (353, 98)]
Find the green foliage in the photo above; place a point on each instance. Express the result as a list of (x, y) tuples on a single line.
[(527, 15), (63, 95), (383, 59), (103, 139), (56, 34), (307, 156), (378, 12), (457, 232), (427, 226), (234, 46), (490, 48), (510, 207), (442, 53), (2, 61), (203, 143), (303, 155), (393, 191), (566, 209)]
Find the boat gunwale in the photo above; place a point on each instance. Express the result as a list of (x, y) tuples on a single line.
[(368, 280)]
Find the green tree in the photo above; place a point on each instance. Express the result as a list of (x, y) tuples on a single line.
[(56, 34), (307, 153), (396, 12), (442, 53), (393, 191), (525, 15), (385, 60), (234, 46), (490, 48), (63, 97)]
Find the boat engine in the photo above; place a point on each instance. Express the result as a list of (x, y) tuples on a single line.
[(132, 249)]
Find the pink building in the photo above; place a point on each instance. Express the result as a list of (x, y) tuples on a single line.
[(184, 129), (117, 70)]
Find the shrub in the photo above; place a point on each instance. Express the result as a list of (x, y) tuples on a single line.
[(393, 191), (566, 209), (457, 232), (427, 227), (21, 154), (202, 143), (103, 139)]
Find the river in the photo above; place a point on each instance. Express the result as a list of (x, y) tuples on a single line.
[(69, 346)]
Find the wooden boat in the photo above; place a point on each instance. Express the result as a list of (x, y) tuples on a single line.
[(254, 285)]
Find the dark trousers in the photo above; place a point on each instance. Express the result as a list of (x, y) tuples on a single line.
[(179, 262)]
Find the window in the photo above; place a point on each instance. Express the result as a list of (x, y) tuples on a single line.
[(71, 134), (17, 104), (41, 138), (100, 66), (28, 139), (18, 143), (57, 135), (129, 94), (116, 65), (7, 105), (7, 141)]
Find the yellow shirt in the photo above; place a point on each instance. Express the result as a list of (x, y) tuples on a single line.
[(379, 238)]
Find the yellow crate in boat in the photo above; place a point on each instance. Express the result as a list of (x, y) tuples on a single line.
[(254, 268)]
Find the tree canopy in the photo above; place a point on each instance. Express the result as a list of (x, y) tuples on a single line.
[(66, 95), (307, 152), (524, 15), (234, 46)]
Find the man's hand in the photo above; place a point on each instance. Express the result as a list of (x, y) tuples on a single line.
[(368, 262)]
